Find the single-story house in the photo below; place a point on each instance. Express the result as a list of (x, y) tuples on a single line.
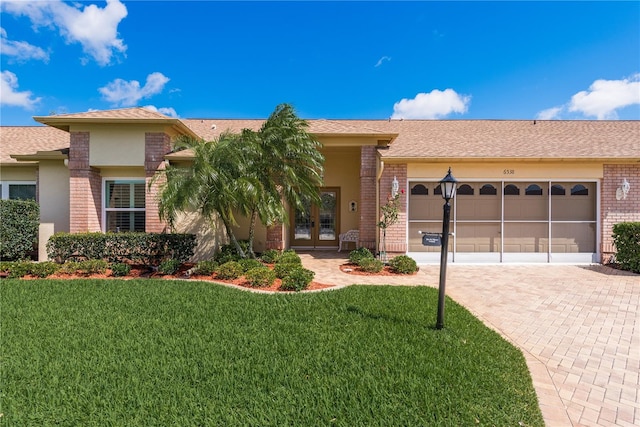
[(529, 190)]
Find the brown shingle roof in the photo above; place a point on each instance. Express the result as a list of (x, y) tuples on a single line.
[(511, 139), (29, 140)]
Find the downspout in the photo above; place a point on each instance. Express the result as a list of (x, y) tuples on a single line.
[(378, 177)]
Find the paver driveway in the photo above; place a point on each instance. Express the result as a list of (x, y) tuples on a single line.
[(578, 327)]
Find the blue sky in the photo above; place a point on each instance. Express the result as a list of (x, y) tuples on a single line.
[(333, 60)]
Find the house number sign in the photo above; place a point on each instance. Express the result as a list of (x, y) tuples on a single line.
[(509, 172)]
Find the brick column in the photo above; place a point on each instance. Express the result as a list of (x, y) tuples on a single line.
[(85, 187), (156, 145), (368, 197), (275, 237), (614, 211), (397, 233)]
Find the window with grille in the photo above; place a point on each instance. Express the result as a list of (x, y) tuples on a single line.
[(18, 190), (125, 205)]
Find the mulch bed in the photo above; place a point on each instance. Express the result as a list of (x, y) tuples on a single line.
[(355, 270)]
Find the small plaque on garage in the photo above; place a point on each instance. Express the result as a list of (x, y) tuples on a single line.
[(431, 240)]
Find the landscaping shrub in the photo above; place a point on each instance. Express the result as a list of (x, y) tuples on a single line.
[(361, 253), (289, 257), (18, 228), (143, 248), (260, 277), (229, 270), (270, 256), (120, 269), (403, 264), (229, 253), (169, 266), (15, 269), (205, 268), (249, 264), (43, 269), (626, 238), (297, 280), (282, 269), (371, 265), (86, 267)]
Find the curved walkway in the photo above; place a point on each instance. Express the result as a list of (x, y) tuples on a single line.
[(577, 326)]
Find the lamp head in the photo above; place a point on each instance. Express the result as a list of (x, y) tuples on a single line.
[(448, 186)]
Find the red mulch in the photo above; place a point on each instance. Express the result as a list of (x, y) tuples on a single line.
[(354, 269), (138, 271)]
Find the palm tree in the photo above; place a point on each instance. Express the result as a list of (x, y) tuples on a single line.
[(215, 185), (286, 163)]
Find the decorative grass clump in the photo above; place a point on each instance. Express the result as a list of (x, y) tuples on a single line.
[(164, 352)]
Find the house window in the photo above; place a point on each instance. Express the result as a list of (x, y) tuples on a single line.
[(18, 190), (419, 189), (511, 190), (125, 205), (557, 190), (488, 190), (579, 190)]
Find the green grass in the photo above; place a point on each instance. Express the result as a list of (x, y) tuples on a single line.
[(178, 353)]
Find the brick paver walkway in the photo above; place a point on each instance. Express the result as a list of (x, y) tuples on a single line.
[(577, 326)]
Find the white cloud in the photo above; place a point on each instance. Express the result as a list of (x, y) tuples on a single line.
[(167, 111), (381, 60), (432, 105), (20, 50), (604, 97), (602, 101), (128, 93), (93, 27), (549, 113), (9, 94)]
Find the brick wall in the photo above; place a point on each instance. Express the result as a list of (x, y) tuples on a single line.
[(275, 237), (368, 196), (156, 145), (396, 234), (85, 187), (614, 211)]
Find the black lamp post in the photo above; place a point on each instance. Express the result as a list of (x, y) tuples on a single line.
[(448, 186)]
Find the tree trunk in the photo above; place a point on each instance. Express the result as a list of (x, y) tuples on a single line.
[(233, 239), (252, 232)]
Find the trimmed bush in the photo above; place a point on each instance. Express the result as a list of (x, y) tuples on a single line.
[(120, 269), (229, 270), (249, 264), (270, 256), (169, 266), (297, 280), (626, 238), (403, 264), (43, 269), (358, 254), (18, 228), (136, 248), (229, 253), (371, 265), (260, 277), (282, 269), (15, 269), (86, 267), (289, 257), (205, 268)]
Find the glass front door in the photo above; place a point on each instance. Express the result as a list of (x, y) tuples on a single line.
[(316, 226)]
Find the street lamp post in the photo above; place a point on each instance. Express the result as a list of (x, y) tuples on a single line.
[(448, 186)]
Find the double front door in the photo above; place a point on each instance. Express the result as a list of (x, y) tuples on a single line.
[(317, 226)]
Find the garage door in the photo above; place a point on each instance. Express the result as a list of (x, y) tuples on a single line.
[(502, 221)]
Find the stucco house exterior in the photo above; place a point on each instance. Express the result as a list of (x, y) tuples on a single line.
[(529, 191)]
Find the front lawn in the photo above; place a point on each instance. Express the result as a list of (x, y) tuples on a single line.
[(182, 353)]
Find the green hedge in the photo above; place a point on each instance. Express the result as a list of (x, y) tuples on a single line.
[(19, 221), (137, 248), (626, 238)]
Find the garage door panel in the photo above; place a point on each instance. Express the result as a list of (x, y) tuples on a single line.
[(526, 237), (573, 237), (478, 237), (415, 238)]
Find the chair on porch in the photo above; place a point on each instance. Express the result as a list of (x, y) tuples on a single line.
[(349, 236)]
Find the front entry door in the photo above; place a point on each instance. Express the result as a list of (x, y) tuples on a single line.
[(316, 226)]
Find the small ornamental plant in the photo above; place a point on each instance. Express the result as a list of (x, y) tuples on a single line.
[(229, 270), (298, 279), (358, 254), (390, 212), (120, 269), (371, 265), (260, 277), (403, 264)]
